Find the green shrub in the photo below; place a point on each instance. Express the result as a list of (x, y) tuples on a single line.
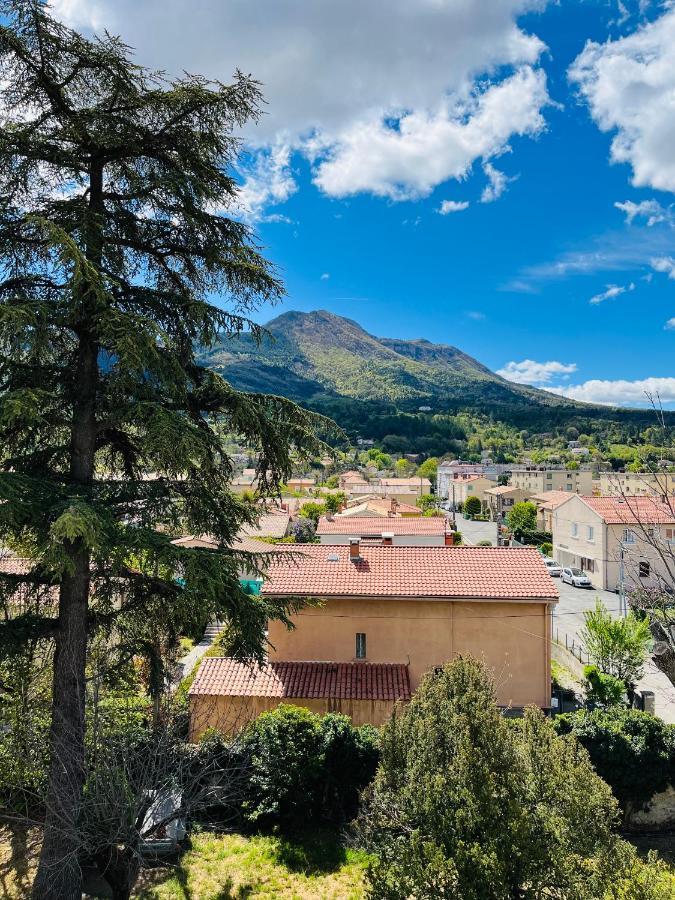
[(472, 507), (634, 752), (304, 767), (546, 548), (484, 544), (603, 690)]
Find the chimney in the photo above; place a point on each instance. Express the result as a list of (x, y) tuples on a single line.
[(355, 550), (449, 539), (387, 538), (393, 506)]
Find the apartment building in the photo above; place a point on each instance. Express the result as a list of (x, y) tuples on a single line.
[(636, 483), (537, 479)]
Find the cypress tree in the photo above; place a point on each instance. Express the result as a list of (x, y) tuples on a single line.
[(117, 249)]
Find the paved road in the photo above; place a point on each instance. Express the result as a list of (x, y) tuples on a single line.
[(568, 619), (472, 531)]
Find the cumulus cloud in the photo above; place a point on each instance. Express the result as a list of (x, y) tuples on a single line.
[(452, 206), (416, 95), (613, 290), (620, 392), (325, 276), (497, 182), (651, 210), (475, 315), (266, 181), (528, 371), (670, 324), (665, 264), (629, 85)]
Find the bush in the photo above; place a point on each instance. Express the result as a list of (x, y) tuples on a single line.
[(472, 507), (632, 751), (617, 646), (305, 767), (603, 690), (546, 548), (484, 544), (466, 804)]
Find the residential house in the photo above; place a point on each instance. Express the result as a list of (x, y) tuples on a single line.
[(389, 614), (546, 503), (595, 533), (537, 479), (405, 490), (429, 531), (464, 486), (371, 505), (347, 479), (447, 470), (247, 481), (301, 484), (613, 484), (501, 498)]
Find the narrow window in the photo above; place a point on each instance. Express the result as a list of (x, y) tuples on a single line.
[(575, 529), (591, 532), (644, 569), (628, 536), (360, 645)]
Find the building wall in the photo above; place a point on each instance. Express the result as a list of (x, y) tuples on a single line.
[(428, 633), (604, 549), (500, 504), (400, 540), (636, 483), (231, 714), (535, 481), (464, 489)]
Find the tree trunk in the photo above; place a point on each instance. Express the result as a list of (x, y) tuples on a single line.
[(663, 642), (120, 868), (59, 874)]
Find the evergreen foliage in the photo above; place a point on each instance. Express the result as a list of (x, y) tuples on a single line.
[(617, 646), (115, 189)]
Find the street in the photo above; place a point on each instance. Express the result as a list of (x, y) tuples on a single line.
[(568, 619), (473, 532)]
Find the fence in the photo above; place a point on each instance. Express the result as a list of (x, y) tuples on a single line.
[(573, 646)]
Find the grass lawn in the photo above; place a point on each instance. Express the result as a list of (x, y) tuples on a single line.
[(234, 867)]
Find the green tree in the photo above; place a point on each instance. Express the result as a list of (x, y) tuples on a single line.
[(617, 646), (522, 516), (429, 468), (427, 502), (468, 805), (472, 507), (313, 511), (112, 245), (632, 751), (404, 468), (333, 502), (601, 689)]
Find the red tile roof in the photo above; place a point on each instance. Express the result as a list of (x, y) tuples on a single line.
[(627, 510), (221, 676), (271, 524), (490, 573), (404, 482), (502, 489), (362, 525)]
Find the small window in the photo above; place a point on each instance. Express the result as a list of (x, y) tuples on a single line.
[(628, 536), (670, 535), (360, 645), (644, 569), (575, 529), (591, 533)]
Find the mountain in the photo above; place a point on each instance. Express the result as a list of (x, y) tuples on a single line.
[(318, 355), (332, 364)]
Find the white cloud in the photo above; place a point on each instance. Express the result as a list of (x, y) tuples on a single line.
[(620, 392), (670, 324), (452, 206), (267, 181), (665, 264), (651, 210), (325, 276), (613, 290), (528, 371), (475, 315), (497, 182), (629, 85), (414, 96)]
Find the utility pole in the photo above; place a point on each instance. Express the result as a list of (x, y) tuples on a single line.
[(622, 585)]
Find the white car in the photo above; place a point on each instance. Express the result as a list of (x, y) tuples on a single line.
[(554, 568), (575, 577)]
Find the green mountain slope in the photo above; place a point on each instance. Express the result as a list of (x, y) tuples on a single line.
[(318, 355)]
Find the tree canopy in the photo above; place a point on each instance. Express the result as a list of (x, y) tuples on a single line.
[(119, 257)]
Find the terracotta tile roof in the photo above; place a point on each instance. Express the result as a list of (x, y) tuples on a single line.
[(499, 573), (404, 482), (502, 489), (466, 476), (243, 543), (15, 565), (642, 509), (271, 524), (221, 676), (552, 499), (362, 525)]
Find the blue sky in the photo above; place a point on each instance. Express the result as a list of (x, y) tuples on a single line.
[(450, 169)]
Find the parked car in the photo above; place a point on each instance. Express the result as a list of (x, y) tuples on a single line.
[(554, 568), (575, 577)]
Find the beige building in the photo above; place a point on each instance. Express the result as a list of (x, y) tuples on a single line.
[(501, 498), (392, 609), (405, 490), (349, 479), (427, 531), (593, 533), (614, 484), (537, 479), (546, 503), (301, 484), (464, 486), (371, 505)]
